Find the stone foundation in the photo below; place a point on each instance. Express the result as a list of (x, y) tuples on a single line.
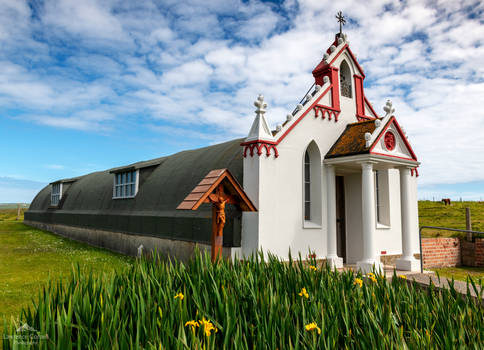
[(128, 244)]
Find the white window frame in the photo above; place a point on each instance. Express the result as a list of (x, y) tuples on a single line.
[(307, 183), (55, 196), (315, 187), (120, 188), (382, 199), (349, 82)]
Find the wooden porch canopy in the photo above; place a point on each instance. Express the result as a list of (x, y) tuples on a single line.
[(219, 187)]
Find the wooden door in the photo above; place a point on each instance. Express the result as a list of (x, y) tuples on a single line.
[(340, 218)]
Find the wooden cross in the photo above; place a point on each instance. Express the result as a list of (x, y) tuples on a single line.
[(219, 188), (219, 200), (342, 21)]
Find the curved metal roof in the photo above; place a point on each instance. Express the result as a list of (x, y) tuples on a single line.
[(163, 184)]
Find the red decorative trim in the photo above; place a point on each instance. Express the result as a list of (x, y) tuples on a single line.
[(335, 88), (414, 170), (356, 62), (323, 66), (258, 141), (326, 110), (392, 156), (390, 141), (250, 146), (363, 118), (339, 53), (360, 97), (302, 116), (402, 136)]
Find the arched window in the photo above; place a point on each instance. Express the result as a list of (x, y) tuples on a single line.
[(307, 187), (345, 80), (312, 181)]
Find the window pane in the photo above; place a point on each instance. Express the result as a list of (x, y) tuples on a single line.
[(307, 211), (132, 189), (307, 174), (123, 178), (307, 191), (126, 190)]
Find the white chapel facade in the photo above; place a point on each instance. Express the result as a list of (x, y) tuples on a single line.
[(335, 180)]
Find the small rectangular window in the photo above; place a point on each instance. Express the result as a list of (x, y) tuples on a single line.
[(382, 200), (378, 196), (125, 184), (56, 194)]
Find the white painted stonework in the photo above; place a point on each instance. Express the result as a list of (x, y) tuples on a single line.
[(276, 185)]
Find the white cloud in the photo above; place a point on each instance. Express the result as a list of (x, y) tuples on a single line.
[(101, 65), (87, 18)]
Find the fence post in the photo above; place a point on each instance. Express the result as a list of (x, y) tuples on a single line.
[(18, 212), (468, 224)]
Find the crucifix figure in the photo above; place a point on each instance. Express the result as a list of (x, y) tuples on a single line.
[(342, 21), (219, 200)]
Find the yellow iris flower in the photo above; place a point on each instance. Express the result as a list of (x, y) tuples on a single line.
[(304, 293), (208, 327), (313, 327)]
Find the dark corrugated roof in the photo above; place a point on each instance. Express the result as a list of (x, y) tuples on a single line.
[(163, 184), (352, 140), (161, 189)]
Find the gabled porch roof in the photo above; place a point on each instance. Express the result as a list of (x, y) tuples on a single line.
[(379, 141)]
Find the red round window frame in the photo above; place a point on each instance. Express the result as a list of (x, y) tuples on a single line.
[(390, 141)]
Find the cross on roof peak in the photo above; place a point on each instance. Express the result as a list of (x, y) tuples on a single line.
[(342, 21)]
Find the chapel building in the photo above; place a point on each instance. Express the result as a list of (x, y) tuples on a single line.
[(335, 181)]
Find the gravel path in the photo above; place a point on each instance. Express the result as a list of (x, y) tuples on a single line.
[(460, 286)]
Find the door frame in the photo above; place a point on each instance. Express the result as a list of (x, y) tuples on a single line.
[(341, 246)]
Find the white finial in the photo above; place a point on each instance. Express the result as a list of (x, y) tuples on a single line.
[(309, 97), (278, 127), (325, 56), (289, 117), (260, 104), (260, 128), (299, 107), (332, 48), (340, 40), (377, 123), (317, 88), (389, 107), (367, 139), (325, 79)]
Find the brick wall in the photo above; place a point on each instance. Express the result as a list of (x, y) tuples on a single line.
[(441, 252), (479, 252), (473, 252)]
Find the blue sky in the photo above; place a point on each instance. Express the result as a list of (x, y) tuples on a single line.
[(88, 85)]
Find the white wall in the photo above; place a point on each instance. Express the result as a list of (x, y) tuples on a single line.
[(276, 187)]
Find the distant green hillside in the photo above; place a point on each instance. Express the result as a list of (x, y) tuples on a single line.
[(13, 205), (453, 216)]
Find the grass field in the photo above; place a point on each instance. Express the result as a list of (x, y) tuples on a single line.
[(29, 256), (461, 273), (453, 216)]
